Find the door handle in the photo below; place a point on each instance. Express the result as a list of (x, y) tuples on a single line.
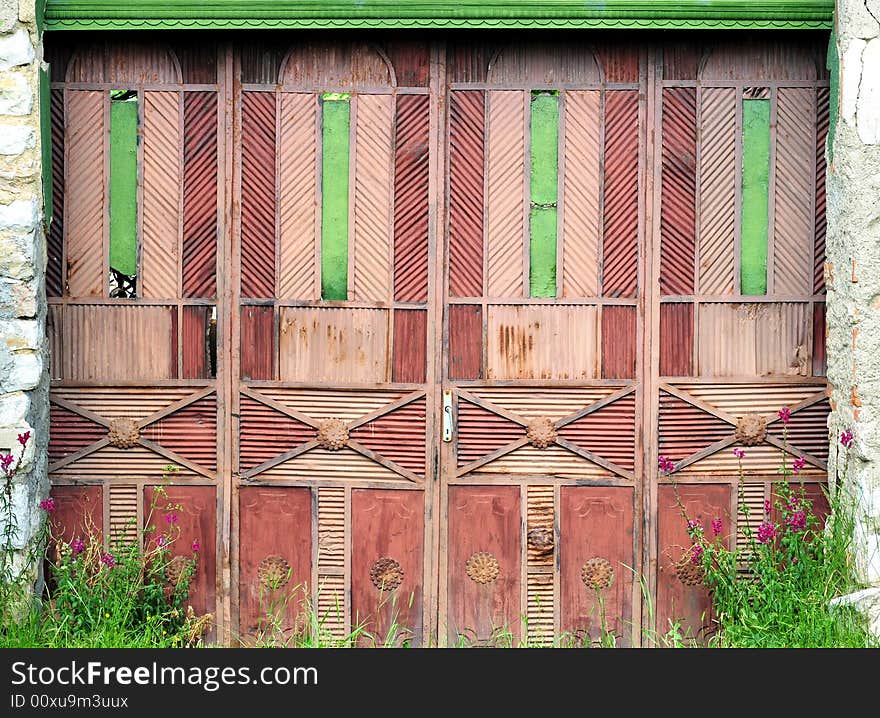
[(447, 416)]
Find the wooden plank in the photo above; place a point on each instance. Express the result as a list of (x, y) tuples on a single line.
[(195, 350), (409, 354), (676, 339), (258, 342), (619, 329), (465, 341)]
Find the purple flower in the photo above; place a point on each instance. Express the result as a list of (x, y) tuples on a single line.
[(797, 520), (784, 414), (696, 554), (798, 464), (766, 532), (667, 466), (694, 526), (108, 560), (195, 546), (846, 438), (739, 453), (23, 438), (767, 507), (77, 546), (5, 461), (48, 505), (717, 526), (161, 541), (171, 518)]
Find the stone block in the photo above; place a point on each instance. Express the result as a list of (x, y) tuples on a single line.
[(15, 139), (16, 49), (16, 96)]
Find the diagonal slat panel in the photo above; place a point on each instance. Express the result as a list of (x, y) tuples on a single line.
[(581, 222), (298, 215), (717, 218), (411, 199), (372, 198), (84, 223), (794, 223), (677, 220), (161, 200), (621, 221), (822, 109), (466, 166), (199, 194), (505, 193), (258, 194), (55, 235)]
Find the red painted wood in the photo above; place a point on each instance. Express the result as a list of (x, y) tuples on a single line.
[(484, 519), (618, 342), (398, 435), (480, 432), (196, 321), (195, 511), (79, 514), (70, 432), (608, 432), (387, 524), (266, 433), (681, 60), (465, 341), (191, 432), (274, 521), (596, 522), (411, 60), (619, 61), (409, 360), (676, 339), (257, 342)]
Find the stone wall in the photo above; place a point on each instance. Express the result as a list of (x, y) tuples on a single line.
[(23, 376)]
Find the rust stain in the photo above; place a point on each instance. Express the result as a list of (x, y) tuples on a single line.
[(854, 397)]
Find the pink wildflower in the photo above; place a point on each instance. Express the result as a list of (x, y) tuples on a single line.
[(739, 453), (195, 546), (784, 414), (766, 532), (798, 464), (48, 505), (23, 438), (667, 466), (717, 526), (846, 438), (109, 560)]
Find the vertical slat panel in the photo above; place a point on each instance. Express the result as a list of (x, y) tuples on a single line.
[(621, 208), (54, 336), (409, 360), (258, 194), (331, 559), (55, 235), (161, 200), (506, 194), (195, 350), (677, 212), (581, 225), (465, 341), (298, 210), (540, 603), (257, 342), (618, 342), (794, 224), (199, 194), (84, 193), (718, 176), (676, 339), (372, 198), (820, 358), (822, 119), (466, 137), (411, 199)]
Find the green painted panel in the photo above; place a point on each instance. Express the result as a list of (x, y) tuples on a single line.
[(689, 14), (336, 122), (544, 181), (46, 142), (123, 184), (755, 196)]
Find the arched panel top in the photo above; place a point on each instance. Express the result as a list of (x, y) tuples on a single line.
[(754, 61), (336, 66), (126, 64), (531, 64)]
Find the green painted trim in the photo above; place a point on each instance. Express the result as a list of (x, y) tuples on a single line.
[(46, 142), (543, 190), (755, 196), (123, 185), (696, 14), (832, 63), (335, 144)]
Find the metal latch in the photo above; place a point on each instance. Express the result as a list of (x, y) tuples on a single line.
[(447, 416)]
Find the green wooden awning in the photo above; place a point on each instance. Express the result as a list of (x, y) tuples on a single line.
[(670, 14)]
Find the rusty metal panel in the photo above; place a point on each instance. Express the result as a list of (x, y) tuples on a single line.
[(807, 430), (465, 341), (483, 563), (275, 533), (110, 463), (532, 402), (756, 59), (554, 461), (536, 64), (541, 542), (466, 167), (676, 339), (324, 465), (542, 342), (411, 60), (410, 352), (195, 509), (822, 120), (608, 432), (581, 219), (685, 429), (340, 65), (55, 233), (621, 209), (681, 60), (411, 199), (675, 600), (54, 321), (196, 362), (199, 194), (84, 193), (160, 253), (117, 342), (78, 514), (299, 221), (794, 223), (480, 432), (138, 62), (596, 533), (373, 156), (620, 60), (398, 435), (258, 194), (820, 357), (111, 402), (257, 342), (618, 342), (190, 432), (387, 537), (718, 180), (266, 433), (333, 345), (505, 194), (753, 339), (329, 404), (679, 184), (70, 432)]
